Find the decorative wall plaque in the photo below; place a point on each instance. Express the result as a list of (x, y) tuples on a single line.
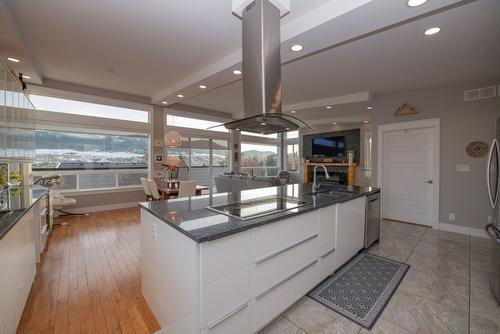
[(404, 110), (477, 149)]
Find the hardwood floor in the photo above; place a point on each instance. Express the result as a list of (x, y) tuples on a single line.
[(89, 279)]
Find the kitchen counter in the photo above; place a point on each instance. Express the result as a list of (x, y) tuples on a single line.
[(191, 217), (15, 202)]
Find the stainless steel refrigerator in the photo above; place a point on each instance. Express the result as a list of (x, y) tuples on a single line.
[(493, 185)]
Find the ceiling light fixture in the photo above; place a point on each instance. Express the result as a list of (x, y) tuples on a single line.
[(203, 86), (180, 96), (237, 72), (293, 111), (334, 123), (26, 76), (369, 107), (415, 3), (296, 48), (263, 123), (14, 60), (328, 107), (164, 102), (432, 31), (365, 121)]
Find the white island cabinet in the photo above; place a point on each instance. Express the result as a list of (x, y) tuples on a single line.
[(241, 282), (17, 271)]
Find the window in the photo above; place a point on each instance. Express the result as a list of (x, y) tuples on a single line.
[(91, 161), (272, 135), (292, 135), (293, 159), (194, 123), (88, 109), (259, 159), (200, 159)]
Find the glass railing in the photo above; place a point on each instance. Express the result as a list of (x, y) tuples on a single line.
[(85, 180)]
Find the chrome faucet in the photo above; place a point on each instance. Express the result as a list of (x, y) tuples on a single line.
[(315, 186)]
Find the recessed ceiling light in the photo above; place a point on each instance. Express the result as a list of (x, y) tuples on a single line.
[(365, 121), (263, 123), (415, 3), (369, 108), (26, 76), (237, 72), (287, 129), (237, 129), (164, 102), (180, 96), (432, 31), (14, 60), (293, 111), (203, 86), (334, 123), (297, 48), (328, 107)]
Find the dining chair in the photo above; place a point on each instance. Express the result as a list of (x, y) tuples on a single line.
[(187, 189), (153, 188), (147, 191)]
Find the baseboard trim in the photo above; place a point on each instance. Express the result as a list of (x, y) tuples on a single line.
[(476, 232), (104, 207)]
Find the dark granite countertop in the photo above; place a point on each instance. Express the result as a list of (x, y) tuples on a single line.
[(15, 202), (191, 217)]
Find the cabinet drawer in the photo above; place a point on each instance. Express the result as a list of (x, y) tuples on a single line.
[(284, 263), (223, 296), (236, 321), (276, 300), (272, 238), (326, 265), (223, 256)]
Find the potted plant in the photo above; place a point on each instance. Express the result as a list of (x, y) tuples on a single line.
[(350, 156)]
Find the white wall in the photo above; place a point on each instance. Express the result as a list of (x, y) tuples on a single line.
[(461, 122)]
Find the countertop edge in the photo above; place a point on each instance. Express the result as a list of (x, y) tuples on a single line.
[(18, 218), (256, 224)]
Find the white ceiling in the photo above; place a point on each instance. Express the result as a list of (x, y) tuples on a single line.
[(170, 47)]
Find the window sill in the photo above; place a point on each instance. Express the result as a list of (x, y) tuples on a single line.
[(73, 192)]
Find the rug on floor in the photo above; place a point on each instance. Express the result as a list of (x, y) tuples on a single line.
[(361, 289)]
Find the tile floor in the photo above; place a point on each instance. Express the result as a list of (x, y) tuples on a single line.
[(445, 291)]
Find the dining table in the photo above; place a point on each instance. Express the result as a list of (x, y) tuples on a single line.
[(171, 188)]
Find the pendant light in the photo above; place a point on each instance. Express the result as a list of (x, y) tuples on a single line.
[(173, 139)]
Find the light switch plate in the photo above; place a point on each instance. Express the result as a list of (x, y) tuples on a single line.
[(451, 216), (463, 168)]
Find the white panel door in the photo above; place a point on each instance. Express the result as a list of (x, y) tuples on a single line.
[(408, 175)]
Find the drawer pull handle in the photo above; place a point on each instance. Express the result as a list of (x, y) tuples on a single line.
[(281, 251), (277, 285), (327, 253), (227, 316)]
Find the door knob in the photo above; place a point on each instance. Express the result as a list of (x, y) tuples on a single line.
[(429, 181)]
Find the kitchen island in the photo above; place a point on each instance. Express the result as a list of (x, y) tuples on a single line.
[(208, 272)]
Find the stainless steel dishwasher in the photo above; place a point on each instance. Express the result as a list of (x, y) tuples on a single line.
[(372, 219)]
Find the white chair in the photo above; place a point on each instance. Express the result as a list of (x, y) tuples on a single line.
[(147, 191), (187, 189), (153, 188)]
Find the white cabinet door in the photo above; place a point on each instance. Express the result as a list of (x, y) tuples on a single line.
[(350, 230), (17, 271), (327, 222)]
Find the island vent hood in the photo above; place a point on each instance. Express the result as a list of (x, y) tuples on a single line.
[(262, 93)]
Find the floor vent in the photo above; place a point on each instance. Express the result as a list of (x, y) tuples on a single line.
[(480, 93)]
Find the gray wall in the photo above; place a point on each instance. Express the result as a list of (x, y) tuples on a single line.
[(107, 198), (461, 122)]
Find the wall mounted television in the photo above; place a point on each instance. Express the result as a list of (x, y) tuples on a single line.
[(328, 147)]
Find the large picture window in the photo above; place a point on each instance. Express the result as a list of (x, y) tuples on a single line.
[(200, 159), (54, 104), (259, 159), (92, 161)]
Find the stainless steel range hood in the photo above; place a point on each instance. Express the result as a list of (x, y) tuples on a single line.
[(262, 95)]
